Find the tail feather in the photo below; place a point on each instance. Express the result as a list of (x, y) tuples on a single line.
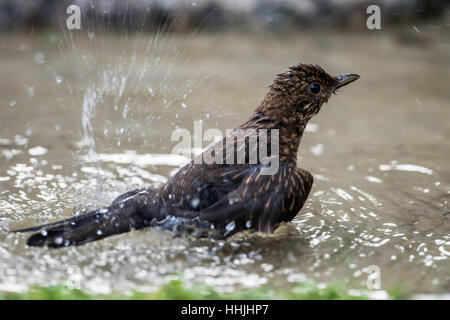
[(77, 234), (85, 228), (66, 222), (118, 218)]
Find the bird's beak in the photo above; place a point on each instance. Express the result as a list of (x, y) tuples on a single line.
[(345, 80)]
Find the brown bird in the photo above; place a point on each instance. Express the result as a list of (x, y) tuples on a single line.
[(221, 197)]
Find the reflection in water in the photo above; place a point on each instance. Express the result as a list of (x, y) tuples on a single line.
[(365, 207), (405, 167), (131, 157)]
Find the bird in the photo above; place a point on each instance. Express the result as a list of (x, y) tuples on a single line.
[(222, 197)]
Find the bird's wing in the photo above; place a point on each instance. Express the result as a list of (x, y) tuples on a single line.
[(261, 202)]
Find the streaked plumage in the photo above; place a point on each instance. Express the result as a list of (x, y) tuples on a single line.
[(220, 199)]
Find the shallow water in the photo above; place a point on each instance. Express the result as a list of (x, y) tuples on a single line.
[(83, 121)]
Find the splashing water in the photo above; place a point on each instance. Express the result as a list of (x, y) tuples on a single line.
[(379, 197)]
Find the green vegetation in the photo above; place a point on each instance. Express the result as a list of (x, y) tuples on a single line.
[(176, 289)]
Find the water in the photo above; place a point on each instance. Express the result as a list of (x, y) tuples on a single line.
[(82, 123)]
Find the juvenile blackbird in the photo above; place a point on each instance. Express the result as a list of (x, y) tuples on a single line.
[(220, 199)]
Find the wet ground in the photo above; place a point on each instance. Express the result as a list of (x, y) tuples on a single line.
[(82, 121)]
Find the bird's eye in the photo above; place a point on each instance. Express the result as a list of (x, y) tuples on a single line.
[(315, 87)]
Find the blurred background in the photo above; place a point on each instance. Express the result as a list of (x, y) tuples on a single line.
[(213, 15), (88, 114)]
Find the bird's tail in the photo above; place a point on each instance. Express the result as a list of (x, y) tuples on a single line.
[(125, 214), (95, 225)]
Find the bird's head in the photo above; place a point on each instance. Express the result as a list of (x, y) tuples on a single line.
[(298, 94)]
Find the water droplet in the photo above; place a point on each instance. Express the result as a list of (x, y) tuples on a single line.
[(230, 227), (233, 200), (59, 79), (266, 267), (44, 233), (12, 103), (99, 232), (37, 151), (317, 150), (311, 127), (195, 202), (20, 141), (59, 240), (248, 224), (373, 179)]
